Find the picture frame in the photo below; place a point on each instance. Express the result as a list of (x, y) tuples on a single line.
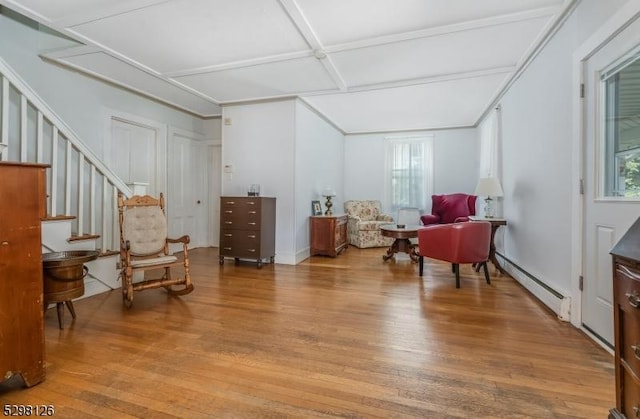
[(316, 208)]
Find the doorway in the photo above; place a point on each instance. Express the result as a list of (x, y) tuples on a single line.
[(611, 158)]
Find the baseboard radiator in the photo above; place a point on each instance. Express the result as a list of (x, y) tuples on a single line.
[(553, 299)]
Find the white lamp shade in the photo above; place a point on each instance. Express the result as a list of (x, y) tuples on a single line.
[(328, 192), (489, 186)]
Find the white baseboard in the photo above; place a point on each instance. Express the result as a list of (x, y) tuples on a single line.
[(555, 300)]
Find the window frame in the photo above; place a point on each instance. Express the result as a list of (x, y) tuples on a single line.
[(427, 140)]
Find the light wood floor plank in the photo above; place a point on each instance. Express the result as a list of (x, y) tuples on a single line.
[(346, 337)]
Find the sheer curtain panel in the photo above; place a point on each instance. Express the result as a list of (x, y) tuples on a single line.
[(408, 172)]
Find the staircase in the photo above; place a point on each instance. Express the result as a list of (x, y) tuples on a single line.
[(81, 191)]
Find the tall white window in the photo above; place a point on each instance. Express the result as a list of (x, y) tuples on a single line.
[(409, 172)]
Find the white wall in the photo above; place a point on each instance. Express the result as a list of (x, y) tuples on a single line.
[(455, 163), (293, 153), (537, 153), (259, 145), (79, 100), (319, 162)]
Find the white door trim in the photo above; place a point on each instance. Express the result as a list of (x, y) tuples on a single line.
[(617, 23)]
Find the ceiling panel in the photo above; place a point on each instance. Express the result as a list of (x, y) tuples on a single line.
[(339, 21), (112, 69), (459, 52), (187, 34), (260, 81), (397, 65), (445, 104)]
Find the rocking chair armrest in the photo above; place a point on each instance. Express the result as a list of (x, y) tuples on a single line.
[(183, 239)]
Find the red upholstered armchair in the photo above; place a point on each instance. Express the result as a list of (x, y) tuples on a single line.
[(456, 243), (452, 208)]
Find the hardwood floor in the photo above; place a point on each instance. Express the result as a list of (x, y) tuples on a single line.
[(347, 337)]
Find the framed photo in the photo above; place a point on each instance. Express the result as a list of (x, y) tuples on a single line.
[(316, 208)]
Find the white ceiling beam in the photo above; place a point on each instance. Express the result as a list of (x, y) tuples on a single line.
[(445, 29), (300, 21), (59, 54), (240, 64), (422, 80), (25, 11)]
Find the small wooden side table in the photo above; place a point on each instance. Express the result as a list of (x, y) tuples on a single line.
[(328, 234), (495, 224), (402, 242)]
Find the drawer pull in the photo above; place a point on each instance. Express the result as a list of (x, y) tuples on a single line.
[(251, 224), (252, 250), (252, 212), (229, 211), (228, 235), (252, 236), (230, 202), (227, 248), (626, 271), (228, 222), (250, 203), (636, 351), (634, 299)]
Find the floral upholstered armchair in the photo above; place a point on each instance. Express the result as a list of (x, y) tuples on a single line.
[(363, 224)]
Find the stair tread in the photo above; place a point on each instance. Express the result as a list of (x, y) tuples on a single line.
[(59, 217), (83, 237)]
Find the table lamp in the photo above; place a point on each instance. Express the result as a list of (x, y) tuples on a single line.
[(328, 193), (490, 188)]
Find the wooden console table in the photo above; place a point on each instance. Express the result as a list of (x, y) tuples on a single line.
[(495, 224)]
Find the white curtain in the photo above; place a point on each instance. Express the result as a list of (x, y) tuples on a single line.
[(408, 172), (490, 146), (490, 152)]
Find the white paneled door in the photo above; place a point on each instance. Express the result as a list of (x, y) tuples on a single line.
[(137, 153), (610, 206), (188, 200)]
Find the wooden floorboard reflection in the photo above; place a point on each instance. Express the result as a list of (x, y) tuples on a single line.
[(347, 337)]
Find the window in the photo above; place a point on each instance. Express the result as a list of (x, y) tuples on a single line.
[(409, 172), (621, 130)]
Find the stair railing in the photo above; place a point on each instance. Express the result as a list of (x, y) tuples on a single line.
[(79, 185)]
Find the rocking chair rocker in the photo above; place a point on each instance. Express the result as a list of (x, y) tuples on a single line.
[(144, 245)]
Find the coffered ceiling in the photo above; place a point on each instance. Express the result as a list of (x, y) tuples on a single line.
[(367, 65)]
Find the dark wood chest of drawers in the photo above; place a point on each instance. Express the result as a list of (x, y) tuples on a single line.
[(626, 299), (247, 228), (22, 189), (328, 234)]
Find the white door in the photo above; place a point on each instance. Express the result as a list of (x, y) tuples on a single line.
[(188, 200), (135, 153), (611, 156)]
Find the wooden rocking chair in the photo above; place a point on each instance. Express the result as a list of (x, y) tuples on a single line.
[(144, 245)]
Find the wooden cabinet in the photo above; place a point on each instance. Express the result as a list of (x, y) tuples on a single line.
[(22, 206), (328, 234), (626, 299), (247, 228)]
